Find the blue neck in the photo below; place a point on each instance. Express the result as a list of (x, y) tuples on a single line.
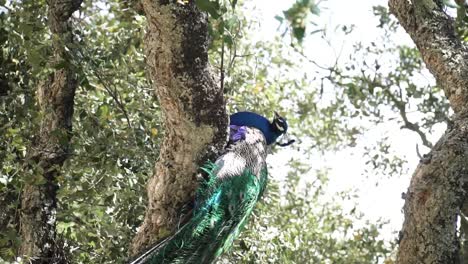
[(257, 121)]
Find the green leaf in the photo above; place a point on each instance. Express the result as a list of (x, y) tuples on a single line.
[(228, 40), (212, 8), (314, 9), (103, 111), (279, 18), (299, 33), (233, 4)]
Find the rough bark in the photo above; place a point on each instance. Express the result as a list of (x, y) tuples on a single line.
[(438, 186), (193, 111), (445, 55), (433, 201), (50, 148)]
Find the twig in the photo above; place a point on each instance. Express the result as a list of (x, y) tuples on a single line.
[(113, 93), (418, 153), (407, 124), (310, 60), (222, 64)]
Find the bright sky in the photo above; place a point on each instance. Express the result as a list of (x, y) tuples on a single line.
[(347, 167)]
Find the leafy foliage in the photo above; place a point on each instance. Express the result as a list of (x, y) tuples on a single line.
[(460, 7), (298, 16), (19, 59), (117, 127), (309, 228)]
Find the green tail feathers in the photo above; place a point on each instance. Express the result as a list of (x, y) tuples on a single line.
[(222, 208)]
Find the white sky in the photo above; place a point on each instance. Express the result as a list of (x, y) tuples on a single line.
[(347, 166)]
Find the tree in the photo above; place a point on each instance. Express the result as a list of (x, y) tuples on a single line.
[(50, 149), (193, 108), (437, 190), (118, 126)]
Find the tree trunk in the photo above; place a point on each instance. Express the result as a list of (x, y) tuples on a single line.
[(193, 111), (438, 186), (433, 201), (50, 148), (464, 235)]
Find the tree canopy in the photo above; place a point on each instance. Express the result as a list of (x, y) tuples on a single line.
[(118, 128)]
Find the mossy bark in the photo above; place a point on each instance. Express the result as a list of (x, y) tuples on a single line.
[(50, 148), (438, 187), (193, 109)]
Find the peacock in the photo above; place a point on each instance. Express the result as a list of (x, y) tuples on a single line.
[(226, 197)]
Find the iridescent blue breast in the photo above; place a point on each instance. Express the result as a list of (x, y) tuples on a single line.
[(250, 119)]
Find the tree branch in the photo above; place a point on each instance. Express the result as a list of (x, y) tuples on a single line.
[(406, 123)]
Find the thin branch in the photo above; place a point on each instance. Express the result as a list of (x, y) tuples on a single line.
[(236, 36), (312, 61), (113, 93), (407, 124)]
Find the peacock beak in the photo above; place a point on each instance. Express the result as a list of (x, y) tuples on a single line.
[(285, 140)]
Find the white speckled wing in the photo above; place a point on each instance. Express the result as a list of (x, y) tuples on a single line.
[(247, 154)]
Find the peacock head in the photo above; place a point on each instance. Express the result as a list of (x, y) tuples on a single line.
[(280, 128), (279, 124)]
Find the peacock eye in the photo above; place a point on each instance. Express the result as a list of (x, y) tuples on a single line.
[(280, 127)]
